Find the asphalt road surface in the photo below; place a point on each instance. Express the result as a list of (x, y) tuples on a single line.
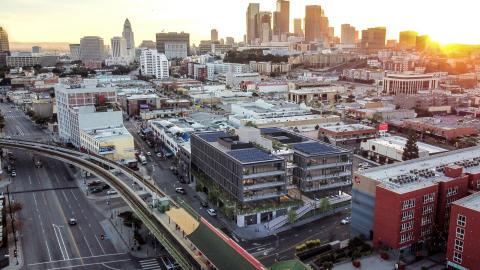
[(50, 197)]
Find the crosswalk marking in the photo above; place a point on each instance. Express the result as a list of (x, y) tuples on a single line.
[(150, 264)]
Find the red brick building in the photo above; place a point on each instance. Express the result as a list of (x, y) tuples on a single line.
[(403, 205), (463, 247)]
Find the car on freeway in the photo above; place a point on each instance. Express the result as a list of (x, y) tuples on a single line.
[(346, 221), (72, 221), (95, 190), (212, 212), (112, 192), (180, 190)]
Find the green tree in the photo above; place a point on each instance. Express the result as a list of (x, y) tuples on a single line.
[(327, 265), (410, 151), (292, 216), (325, 205)]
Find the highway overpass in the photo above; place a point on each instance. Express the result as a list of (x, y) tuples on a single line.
[(201, 247)]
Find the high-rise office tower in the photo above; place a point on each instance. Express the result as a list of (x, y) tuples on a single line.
[(214, 35), (422, 42), (374, 38), (119, 47), (4, 45), (251, 20), (282, 17), (74, 52), (407, 40), (264, 24), (348, 34), (313, 21), (297, 27), (92, 49), (173, 44), (127, 34), (229, 40)]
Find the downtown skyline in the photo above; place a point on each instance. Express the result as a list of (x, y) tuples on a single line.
[(147, 19)]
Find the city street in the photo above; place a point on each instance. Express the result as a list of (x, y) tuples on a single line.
[(50, 197)]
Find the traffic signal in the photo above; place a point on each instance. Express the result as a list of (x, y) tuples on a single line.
[(102, 236)]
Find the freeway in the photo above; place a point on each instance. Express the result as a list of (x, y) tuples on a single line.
[(50, 196), (140, 207)]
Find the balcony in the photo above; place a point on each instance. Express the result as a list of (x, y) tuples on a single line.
[(263, 196), (263, 174), (328, 165), (323, 177), (326, 186), (263, 185)]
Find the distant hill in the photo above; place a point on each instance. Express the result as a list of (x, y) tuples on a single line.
[(46, 46)]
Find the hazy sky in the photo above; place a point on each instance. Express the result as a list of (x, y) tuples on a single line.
[(446, 21)]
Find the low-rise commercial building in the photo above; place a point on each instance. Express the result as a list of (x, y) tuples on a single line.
[(394, 83), (308, 95), (390, 149), (446, 128), (113, 143), (346, 134)]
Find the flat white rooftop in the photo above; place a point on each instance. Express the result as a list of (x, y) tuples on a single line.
[(410, 172), (471, 202), (398, 143), (346, 128)]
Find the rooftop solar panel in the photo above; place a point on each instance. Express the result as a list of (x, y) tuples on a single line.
[(316, 148), (251, 155), (270, 130), (212, 136)]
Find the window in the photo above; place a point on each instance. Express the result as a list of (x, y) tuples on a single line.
[(406, 237), (406, 226), (407, 215), (452, 191), (460, 233), (457, 257), (461, 220), (426, 231), (429, 198), (408, 204), (478, 184), (427, 209), (459, 245), (426, 220)]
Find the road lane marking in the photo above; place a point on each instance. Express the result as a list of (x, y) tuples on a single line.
[(74, 196), (85, 239), (58, 241), (98, 241), (80, 258), (87, 264)]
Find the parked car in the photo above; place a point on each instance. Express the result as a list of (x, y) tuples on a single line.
[(13, 174), (180, 190), (105, 187), (212, 212), (346, 221), (203, 203), (94, 183), (72, 221), (149, 153), (95, 190), (112, 192)]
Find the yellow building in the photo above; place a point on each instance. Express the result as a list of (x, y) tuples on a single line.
[(113, 143)]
